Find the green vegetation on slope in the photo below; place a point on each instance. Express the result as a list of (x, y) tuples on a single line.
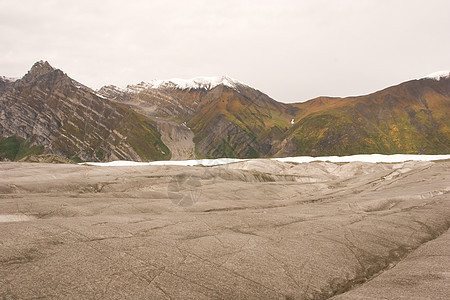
[(409, 118), (14, 148), (231, 124), (143, 136)]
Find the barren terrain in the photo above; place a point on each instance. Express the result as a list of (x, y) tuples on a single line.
[(258, 229)]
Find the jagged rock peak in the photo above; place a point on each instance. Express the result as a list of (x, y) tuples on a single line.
[(42, 67), (38, 69)]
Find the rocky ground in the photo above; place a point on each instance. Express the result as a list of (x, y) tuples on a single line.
[(178, 138), (257, 229)]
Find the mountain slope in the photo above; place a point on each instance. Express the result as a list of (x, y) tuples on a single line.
[(227, 117), (412, 117), (214, 117), (231, 119), (243, 123), (49, 109)]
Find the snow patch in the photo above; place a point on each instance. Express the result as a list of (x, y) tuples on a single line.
[(195, 83), (99, 95), (8, 79), (438, 75), (193, 162), (371, 158), (16, 218), (116, 88)]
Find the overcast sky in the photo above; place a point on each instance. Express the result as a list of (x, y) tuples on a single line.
[(291, 50)]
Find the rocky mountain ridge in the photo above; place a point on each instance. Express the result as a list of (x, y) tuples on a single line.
[(227, 117), (411, 117), (217, 117), (49, 109)]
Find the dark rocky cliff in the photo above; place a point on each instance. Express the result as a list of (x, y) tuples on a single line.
[(49, 109)]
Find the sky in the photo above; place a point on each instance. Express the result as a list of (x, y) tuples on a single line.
[(292, 50)]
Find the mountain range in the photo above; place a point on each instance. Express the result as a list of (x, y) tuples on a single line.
[(47, 112)]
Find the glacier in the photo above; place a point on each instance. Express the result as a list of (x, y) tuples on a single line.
[(370, 158)]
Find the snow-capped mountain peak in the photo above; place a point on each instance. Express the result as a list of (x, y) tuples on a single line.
[(206, 83), (195, 83), (438, 75)]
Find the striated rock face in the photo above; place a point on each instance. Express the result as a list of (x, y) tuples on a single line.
[(412, 117), (48, 108), (218, 117), (227, 118), (231, 119), (179, 139)]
